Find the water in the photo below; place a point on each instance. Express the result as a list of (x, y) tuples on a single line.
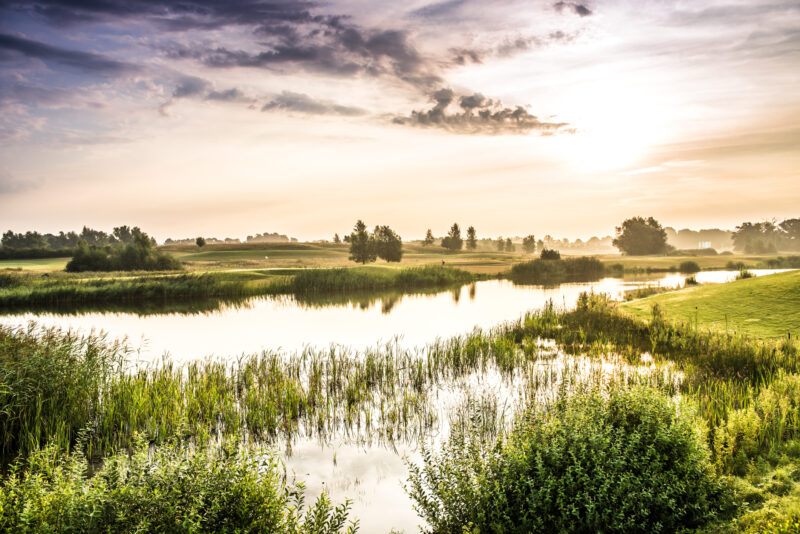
[(357, 321), (372, 476)]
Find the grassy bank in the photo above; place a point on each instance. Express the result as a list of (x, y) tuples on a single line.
[(767, 306), (28, 291)]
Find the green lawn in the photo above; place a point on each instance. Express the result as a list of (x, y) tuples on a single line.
[(765, 307), (41, 264)]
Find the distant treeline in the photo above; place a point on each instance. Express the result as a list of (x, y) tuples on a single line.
[(266, 237), (36, 245), (767, 237)]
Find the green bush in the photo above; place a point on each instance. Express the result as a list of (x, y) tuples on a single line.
[(171, 489), (140, 254), (631, 461), (689, 267)]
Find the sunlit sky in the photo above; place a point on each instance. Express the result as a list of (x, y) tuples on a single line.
[(227, 118)]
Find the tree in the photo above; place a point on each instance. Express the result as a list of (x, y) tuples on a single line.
[(200, 242), (791, 229), (529, 244), (428, 238), (472, 242), (336, 239), (509, 245), (756, 238), (388, 245), (501, 244), (362, 245), (452, 241), (638, 236)]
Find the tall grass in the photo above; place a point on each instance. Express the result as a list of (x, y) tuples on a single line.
[(19, 291), (344, 280), (54, 385), (27, 291), (543, 271)]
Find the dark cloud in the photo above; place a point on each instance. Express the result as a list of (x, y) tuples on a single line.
[(478, 115), (190, 86), (438, 9), (302, 103), (343, 51), (230, 95), (84, 61), (177, 16), (578, 9)]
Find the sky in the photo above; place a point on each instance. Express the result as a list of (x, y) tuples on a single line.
[(232, 117)]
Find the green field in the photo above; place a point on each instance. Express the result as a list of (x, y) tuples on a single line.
[(38, 264), (766, 307)]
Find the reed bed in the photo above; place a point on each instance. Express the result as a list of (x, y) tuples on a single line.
[(55, 386)]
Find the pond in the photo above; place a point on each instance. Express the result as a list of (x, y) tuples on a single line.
[(357, 321), (372, 474)]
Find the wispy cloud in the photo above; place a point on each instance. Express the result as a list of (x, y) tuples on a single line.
[(302, 103), (83, 61)]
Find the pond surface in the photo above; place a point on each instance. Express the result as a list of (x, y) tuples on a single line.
[(289, 323), (372, 475)]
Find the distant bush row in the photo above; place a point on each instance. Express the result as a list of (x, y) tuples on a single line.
[(140, 254)]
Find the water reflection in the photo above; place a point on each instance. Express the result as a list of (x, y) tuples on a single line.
[(194, 330)]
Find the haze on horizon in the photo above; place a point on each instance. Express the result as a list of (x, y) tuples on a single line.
[(231, 117)]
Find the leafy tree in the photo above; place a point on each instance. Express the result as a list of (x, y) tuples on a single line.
[(529, 244), (123, 234), (428, 238), (362, 245), (757, 238), (95, 237), (346, 238), (200, 242), (792, 229), (501, 244), (638, 236), (472, 242), (452, 241), (336, 239), (509, 245), (388, 245)]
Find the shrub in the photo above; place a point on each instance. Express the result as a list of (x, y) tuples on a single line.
[(137, 255), (689, 267), (172, 489), (550, 254), (633, 461), (744, 274)]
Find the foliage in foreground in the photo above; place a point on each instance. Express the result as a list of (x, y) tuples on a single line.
[(633, 461), (169, 489)]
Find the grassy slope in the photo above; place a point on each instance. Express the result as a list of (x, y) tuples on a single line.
[(766, 307)]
